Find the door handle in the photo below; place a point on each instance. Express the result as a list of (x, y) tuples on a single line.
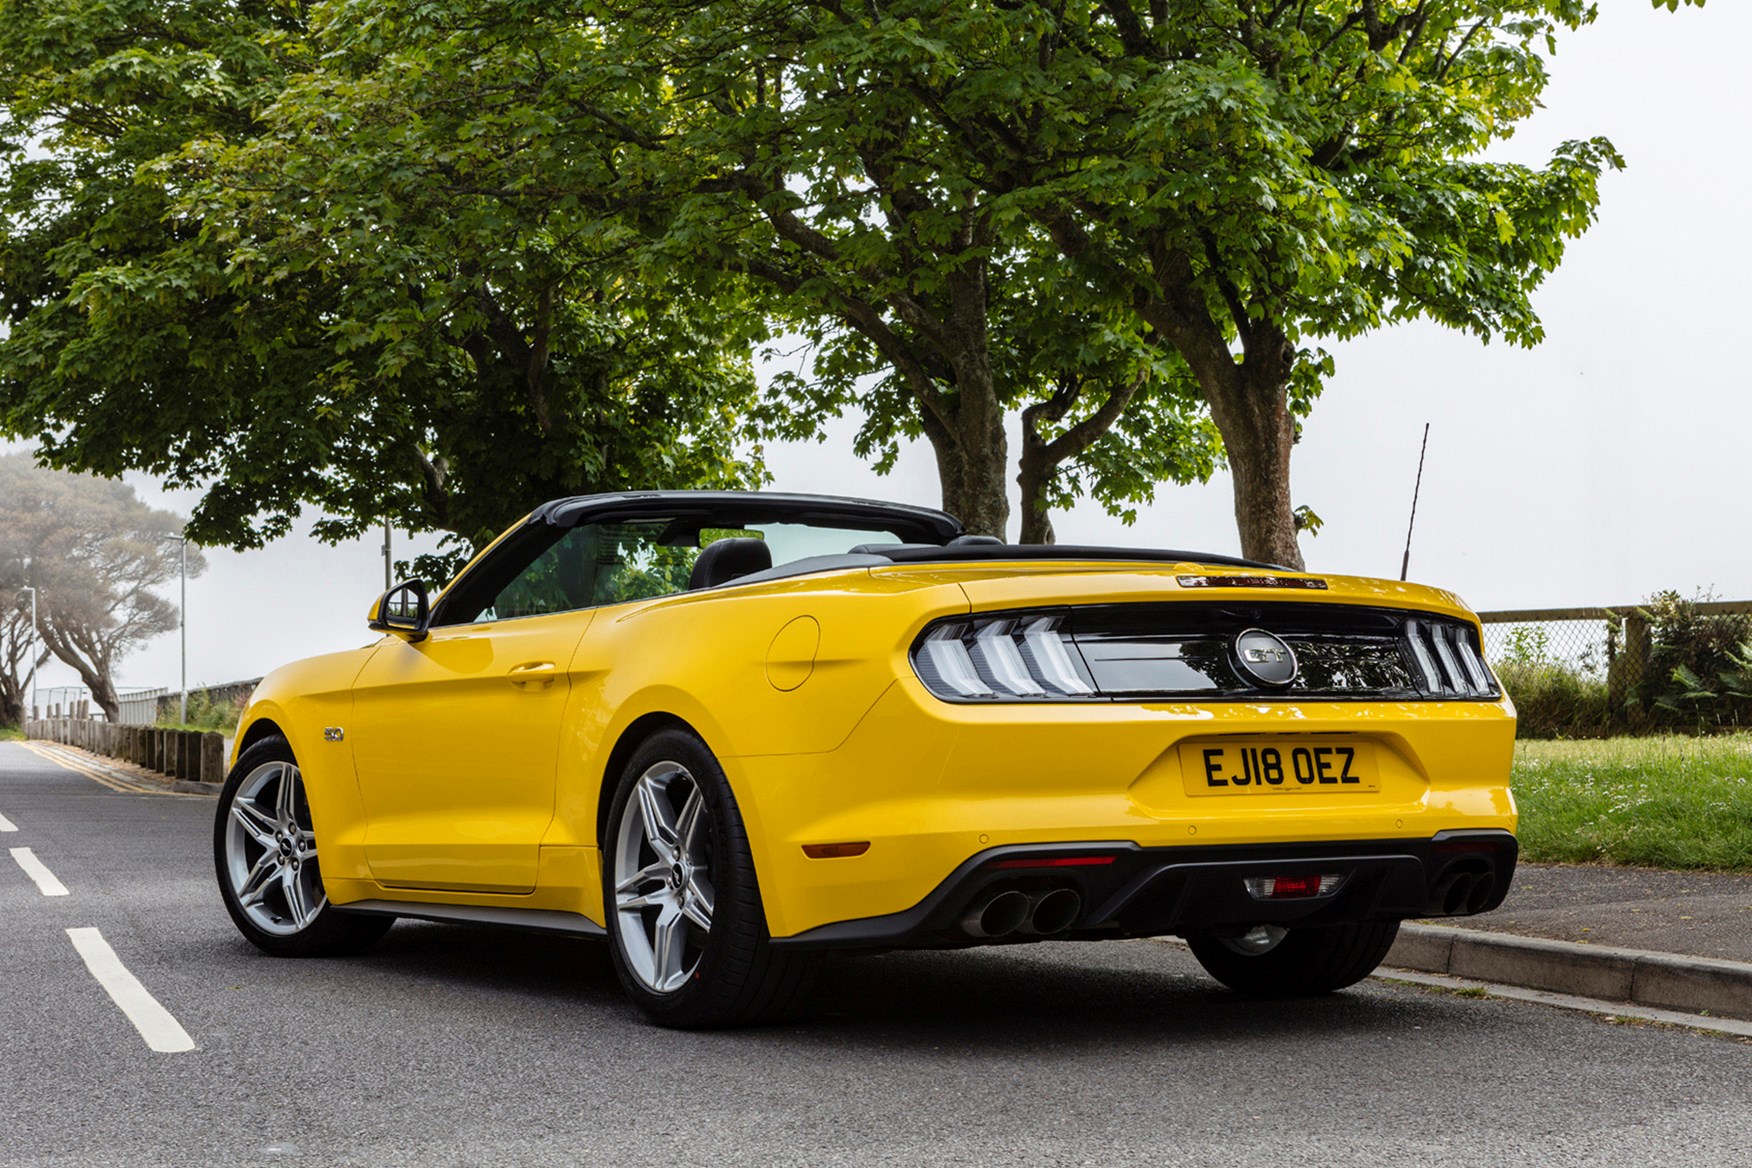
[(531, 674)]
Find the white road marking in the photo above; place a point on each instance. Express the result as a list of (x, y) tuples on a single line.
[(7, 825), (156, 1025), (36, 870)]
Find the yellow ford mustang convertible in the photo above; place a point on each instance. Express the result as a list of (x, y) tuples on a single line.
[(731, 731)]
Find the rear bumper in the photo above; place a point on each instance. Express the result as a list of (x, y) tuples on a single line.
[(1154, 891)]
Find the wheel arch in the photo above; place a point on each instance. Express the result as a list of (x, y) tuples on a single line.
[(259, 729), (634, 736)]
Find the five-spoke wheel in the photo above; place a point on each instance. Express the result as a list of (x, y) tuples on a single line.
[(264, 844), (686, 927), (270, 850), (663, 893)]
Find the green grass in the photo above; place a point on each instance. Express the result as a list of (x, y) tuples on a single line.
[(1666, 802), (10, 733)]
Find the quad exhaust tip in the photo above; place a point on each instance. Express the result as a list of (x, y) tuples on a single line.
[(996, 916), (1053, 912), (1464, 892), (1004, 913)]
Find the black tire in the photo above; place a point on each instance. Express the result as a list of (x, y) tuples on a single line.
[(728, 973), (1307, 961), (288, 914)]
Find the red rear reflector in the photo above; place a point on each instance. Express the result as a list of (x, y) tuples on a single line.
[(1055, 862), (835, 851), (1291, 887), (1288, 887)]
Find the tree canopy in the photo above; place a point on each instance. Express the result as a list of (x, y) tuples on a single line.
[(442, 258), (1245, 179), (368, 325)]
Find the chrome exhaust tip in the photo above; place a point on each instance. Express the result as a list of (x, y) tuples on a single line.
[(1455, 894), (1053, 912), (997, 916)]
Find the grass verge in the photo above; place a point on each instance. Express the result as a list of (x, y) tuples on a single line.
[(11, 734), (1667, 802)]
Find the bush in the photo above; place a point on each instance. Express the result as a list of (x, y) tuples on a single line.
[(208, 713), (1554, 701), (1700, 666)]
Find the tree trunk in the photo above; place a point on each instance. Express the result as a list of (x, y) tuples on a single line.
[(11, 709), (1249, 400), (1258, 434), (94, 673), (1036, 469), (972, 459)]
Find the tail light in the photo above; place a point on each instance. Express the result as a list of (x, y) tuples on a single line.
[(1187, 649), (1007, 658), (1448, 659)]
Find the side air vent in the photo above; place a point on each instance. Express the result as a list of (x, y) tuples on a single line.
[(1139, 652)]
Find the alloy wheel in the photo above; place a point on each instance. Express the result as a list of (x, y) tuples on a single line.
[(270, 851), (663, 892)]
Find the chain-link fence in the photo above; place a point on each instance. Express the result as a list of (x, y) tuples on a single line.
[(1588, 642), (1613, 647)]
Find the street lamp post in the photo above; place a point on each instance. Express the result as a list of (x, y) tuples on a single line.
[(182, 624), (35, 647)]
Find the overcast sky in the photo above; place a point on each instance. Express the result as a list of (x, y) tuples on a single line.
[(1606, 464)]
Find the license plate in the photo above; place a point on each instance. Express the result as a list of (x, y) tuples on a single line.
[(1278, 767)]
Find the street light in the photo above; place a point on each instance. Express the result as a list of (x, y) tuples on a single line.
[(35, 648), (182, 624)]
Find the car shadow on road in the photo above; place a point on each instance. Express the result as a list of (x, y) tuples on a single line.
[(1059, 994)]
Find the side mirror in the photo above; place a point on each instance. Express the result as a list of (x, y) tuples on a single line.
[(404, 610)]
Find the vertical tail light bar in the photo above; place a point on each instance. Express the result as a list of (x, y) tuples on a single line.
[(1448, 660), (1002, 658)]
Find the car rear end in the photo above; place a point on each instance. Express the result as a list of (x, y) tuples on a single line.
[(1100, 750)]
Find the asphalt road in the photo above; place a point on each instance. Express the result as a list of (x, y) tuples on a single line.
[(457, 1045)]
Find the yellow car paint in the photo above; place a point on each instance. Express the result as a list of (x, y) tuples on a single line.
[(454, 785)]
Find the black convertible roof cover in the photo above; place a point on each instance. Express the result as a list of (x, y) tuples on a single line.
[(742, 508), (925, 535)]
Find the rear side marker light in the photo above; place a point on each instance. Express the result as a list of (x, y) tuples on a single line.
[(1291, 887), (835, 851), (1055, 862)]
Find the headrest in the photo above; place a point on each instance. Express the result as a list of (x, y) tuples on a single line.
[(728, 559)]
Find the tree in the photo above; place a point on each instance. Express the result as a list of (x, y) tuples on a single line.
[(94, 553), (696, 164), (366, 326), (1253, 176), (1246, 178), (20, 649), (778, 141)]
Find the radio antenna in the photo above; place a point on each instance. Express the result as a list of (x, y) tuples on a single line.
[(1405, 564)]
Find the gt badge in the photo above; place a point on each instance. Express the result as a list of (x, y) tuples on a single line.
[(333, 733), (1264, 658)]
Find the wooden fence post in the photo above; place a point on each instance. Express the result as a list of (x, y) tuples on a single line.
[(212, 758)]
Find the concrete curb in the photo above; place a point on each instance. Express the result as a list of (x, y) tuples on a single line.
[(1664, 980)]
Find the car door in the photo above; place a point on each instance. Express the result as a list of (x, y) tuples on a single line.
[(456, 736)]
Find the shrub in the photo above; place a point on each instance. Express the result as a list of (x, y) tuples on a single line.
[(1555, 701), (208, 713), (1700, 665)]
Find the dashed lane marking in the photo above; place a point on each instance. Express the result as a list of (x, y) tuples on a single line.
[(156, 1025), (7, 825), (38, 871)]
